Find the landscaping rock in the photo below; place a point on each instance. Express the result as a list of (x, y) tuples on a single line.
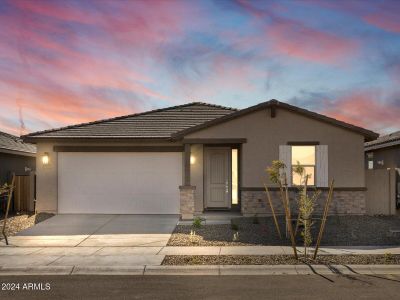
[(19, 222), (339, 231), (280, 260)]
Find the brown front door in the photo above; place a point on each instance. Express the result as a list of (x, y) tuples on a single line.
[(217, 177)]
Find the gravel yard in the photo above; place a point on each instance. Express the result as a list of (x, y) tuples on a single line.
[(279, 260), (339, 231), (18, 222)]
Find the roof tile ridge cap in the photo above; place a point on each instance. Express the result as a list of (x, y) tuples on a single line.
[(11, 136), (215, 105), (103, 120)]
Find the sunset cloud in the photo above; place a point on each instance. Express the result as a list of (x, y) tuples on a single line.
[(296, 40), (366, 109), (67, 62)]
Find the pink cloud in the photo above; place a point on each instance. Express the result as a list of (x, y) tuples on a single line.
[(384, 20), (365, 109), (287, 37), (51, 107), (9, 127), (296, 40)]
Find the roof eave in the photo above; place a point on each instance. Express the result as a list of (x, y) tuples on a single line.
[(368, 134), (16, 152), (383, 145), (36, 139)]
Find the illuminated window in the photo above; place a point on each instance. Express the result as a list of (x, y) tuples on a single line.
[(235, 190), (305, 156)]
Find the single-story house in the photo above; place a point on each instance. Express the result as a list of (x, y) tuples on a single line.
[(384, 154), (194, 158), (15, 157)]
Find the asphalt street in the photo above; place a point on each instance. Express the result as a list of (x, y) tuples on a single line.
[(201, 287)]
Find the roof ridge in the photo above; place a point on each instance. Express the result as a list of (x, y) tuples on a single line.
[(124, 117), (14, 137), (213, 105)]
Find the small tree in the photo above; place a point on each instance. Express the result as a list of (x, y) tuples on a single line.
[(277, 175), (306, 206), (306, 203)]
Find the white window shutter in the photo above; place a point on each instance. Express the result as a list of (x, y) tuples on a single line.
[(322, 165), (285, 155)]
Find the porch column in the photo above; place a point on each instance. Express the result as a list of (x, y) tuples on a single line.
[(187, 201), (187, 191)]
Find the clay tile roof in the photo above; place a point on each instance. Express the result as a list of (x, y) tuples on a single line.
[(13, 143), (384, 141)]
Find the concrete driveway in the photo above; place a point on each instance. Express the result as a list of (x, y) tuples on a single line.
[(98, 231)]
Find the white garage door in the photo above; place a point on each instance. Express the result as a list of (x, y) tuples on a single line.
[(119, 183)]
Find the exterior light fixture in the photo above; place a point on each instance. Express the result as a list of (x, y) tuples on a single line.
[(192, 160), (45, 158)]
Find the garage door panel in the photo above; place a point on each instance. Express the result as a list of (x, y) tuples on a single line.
[(131, 183)]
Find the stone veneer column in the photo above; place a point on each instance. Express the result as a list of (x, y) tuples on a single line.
[(187, 201)]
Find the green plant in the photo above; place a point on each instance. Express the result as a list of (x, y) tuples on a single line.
[(388, 257), (306, 206), (234, 226), (197, 222), (275, 171)]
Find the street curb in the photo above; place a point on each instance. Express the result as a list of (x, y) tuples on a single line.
[(182, 270), (214, 270), (100, 270), (36, 270)]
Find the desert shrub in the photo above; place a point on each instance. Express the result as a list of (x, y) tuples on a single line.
[(197, 222)]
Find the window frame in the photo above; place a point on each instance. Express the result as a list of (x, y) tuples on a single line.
[(304, 144)]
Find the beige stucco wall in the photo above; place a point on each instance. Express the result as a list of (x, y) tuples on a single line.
[(47, 175), (264, 135), (196, 176), (46, 179)]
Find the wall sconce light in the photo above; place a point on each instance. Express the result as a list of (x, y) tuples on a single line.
[(192, 160), (45, 158)]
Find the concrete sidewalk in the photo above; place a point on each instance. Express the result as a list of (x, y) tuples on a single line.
[(149, 249), (121, 257), (339, 270)]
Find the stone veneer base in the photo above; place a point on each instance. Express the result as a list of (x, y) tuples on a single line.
[(343, 203), (187, 196)]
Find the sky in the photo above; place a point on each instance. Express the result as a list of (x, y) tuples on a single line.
[(68, 62)]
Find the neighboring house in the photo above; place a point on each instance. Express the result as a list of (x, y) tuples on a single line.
[(384, 154), (196, 157), (15, 157)]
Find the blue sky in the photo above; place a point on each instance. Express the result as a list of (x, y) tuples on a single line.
[(66, 62)]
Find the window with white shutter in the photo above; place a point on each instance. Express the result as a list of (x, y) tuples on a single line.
[(285, 155), (314, 159), (322, 165)]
